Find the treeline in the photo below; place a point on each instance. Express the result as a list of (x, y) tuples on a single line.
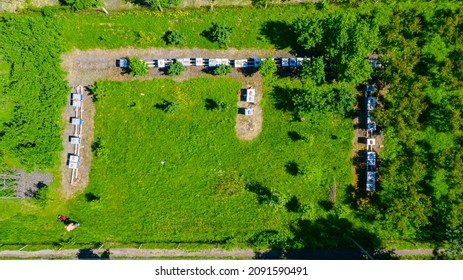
[(420, 196), (36, 89)]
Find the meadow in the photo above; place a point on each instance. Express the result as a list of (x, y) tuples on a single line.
[(213, 187), (252, 27)]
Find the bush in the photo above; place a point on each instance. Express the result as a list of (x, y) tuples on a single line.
[(137, 67), (174, 38), (175, 69), (81, 4), (162, 3), (267, 68), (221, 34), (222, 70)]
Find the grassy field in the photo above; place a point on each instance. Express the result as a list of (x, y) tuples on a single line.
[(252, 27), (133, 198)]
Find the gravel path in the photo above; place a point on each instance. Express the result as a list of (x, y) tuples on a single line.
[(132, 253)]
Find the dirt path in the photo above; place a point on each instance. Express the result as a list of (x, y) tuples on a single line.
[(85, 150), (132, 253), (86, 67)]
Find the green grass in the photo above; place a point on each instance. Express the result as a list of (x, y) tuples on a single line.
[(141, 201), (145, 28)]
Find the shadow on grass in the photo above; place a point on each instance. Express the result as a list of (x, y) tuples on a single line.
[(264, 194), (324, 238), (292, 168), (211, 104), (283, 98), (295, 136), (280, 34)]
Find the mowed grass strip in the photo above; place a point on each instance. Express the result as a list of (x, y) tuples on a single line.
[(141, 200), (252, 27)]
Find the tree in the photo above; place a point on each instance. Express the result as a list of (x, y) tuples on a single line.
[(222, 70), (309, 30), (81, 4), (267, 68), (221, 34), (137, 67), (175, 69), (174, 38), (160, 4), (338, 98), (314, 69)]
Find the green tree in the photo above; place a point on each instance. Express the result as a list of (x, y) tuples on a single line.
[(221, 33), (314, 69), (309, 30), (222, 70), (137, 67), (267, 68), (160, 4), (338, 98), (174, 38), (175, 69)]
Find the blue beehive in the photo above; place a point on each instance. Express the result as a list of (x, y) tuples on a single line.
[(371, 103), (122, 63), (370, 89), (371, 158), (371, 181)]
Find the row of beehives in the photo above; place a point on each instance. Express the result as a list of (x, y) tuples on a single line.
[(371, 128), (215, 62), (75, 139)]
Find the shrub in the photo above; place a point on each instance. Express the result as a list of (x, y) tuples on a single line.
[(174, 38), (267, 68), (81, 4), (175, 69), (137, 67), (162, 3), (221, 34), (222, 70)]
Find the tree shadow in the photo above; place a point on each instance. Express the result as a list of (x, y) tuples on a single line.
[(295, 136), (280, 34), (248, 71), (292, 168), (326, 205), (88, 254), (324, 238), (164, 105), (282, 98), (89, 197), (293, 205), (211, 104), (264, 194)]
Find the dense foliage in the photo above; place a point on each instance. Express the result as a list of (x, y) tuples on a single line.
[(344, 37), (223, 70), (422, 191), (137, 66), (36, 89)]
